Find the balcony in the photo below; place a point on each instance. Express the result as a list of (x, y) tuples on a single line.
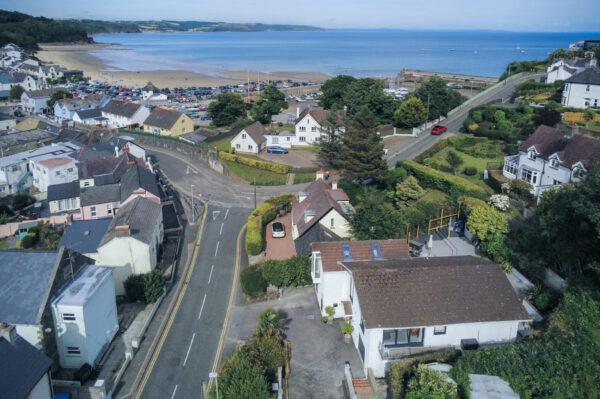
[(399, 352)]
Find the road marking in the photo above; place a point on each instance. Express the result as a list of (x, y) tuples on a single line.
[(226, 213), (221, 231), (217, 248), (216, 215), (202, 307), (187, 171), (229, 305), (174, 390), (210, 275), (189, 349), (174, 313)]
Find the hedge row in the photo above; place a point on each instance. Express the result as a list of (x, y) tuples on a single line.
[(431, 151), (255, 163), (262, 215), (292, 272), (433, 178)]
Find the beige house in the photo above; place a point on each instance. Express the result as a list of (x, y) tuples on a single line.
[(132, 240), (165, 122)]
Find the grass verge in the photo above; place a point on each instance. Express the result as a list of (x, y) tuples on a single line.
[(263, 177)]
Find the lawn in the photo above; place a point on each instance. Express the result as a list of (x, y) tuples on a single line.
[(263, 177), (223, 145), (304, 177)]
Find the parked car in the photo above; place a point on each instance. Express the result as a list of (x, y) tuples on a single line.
[(278, 230), (276, 150), (438, 129)]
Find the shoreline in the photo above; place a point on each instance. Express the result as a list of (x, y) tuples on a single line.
[(79, 56)]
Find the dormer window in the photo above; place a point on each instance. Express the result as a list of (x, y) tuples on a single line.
[(554, 163), (532, 155)]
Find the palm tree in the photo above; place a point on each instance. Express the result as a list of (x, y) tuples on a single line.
[(269, 324)]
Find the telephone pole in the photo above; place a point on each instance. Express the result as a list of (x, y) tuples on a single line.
[(255, 193)]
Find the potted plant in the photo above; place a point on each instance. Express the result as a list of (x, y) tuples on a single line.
[(347, 329), (324, 319), (330, 313)]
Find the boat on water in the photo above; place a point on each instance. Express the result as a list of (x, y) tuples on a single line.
[(422, 49), (475, 52), (452, 49)]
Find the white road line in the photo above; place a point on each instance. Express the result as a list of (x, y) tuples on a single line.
[(189, 349), (221, 231), (210, 275), (226, 213), (174, 390), (217, 248), (202, 307)]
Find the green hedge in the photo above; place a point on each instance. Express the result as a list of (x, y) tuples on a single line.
[(400, 371), (261, 216), (254, 237), (255, 163), (432, 178), (431, 151), (252, 281), (292, 272)]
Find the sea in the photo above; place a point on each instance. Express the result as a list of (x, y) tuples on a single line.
[(360, 53)]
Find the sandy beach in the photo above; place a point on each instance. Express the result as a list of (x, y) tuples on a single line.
[(77, 56)]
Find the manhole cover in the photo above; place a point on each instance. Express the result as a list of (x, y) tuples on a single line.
[(174, 362)]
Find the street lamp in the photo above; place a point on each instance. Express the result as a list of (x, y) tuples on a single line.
[(215, 375)]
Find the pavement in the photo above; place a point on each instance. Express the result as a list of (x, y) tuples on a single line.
[(425, 140), (280, 248), (318, 350), (295, 158)]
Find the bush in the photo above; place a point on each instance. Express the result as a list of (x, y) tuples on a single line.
[(254, 236), (154, 283), (252, 281), (330, 311), (347, 328), (470, 171), (266, 211), (467, 204), (255, 163), (292, 272), (22, 200), (262, 215), (427, 383), (29, 240), (400, 371), (134, 287), (431, 178), (520, 188), (546, 300)]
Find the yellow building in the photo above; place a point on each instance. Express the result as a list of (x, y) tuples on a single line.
[(166, 122)]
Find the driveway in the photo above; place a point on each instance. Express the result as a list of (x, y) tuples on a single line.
[(318, 350), (295, 158), (280, 248)]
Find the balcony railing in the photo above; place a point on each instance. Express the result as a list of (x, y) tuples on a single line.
[(398, 352)]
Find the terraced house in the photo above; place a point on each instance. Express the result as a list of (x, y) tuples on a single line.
[(122, 114)]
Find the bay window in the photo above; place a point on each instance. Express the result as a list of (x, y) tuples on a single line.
[(403, 337), (529, 176)]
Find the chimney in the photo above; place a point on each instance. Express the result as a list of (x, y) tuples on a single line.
[(308, 215), (334, 184), (297, 112), (122, 231), (571, 130), (8, 332), (116, 151), (320, 174), (302, 195)]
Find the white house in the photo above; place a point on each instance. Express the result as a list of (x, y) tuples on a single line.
[(121, 114), (85, 316), (319, 213), (582, 90), (8, 80), (132, 240), (65, 109), (35, 101), (330, 277), (12, 50), (550, 158), (51, 170), (64, 197), (91, 117), (152, 93), (563, 69), (403, 307), (25, 370), (250, 139)]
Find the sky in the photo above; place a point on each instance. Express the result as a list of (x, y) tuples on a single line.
[(512, 15)]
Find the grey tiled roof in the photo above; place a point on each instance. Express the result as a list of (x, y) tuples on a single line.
[(63, 191), (162, 118), (141, 215), (42, 92), (434, 291), (21, 368), (138, 177), (24, 137), (257, 131), (89, 113), (121, 108), (105, 166), (100, 194), (589, 76), (84, 236), (96, 151), (26, 280)]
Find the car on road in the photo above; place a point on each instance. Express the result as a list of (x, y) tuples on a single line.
[(278, 230), (438, 129), (276, 150)]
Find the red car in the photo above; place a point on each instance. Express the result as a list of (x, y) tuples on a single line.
[(438, 129)]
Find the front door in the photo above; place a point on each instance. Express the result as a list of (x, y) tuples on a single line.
[(361, 348)]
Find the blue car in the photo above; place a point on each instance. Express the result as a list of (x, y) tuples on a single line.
[(276, 150)]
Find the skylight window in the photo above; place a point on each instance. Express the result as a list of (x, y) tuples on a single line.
[(347, 252), (376, 250)]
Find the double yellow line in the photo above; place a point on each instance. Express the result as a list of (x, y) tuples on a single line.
[(229, 305), (174, 313)]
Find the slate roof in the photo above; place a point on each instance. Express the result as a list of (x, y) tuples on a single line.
[(34, 123), (70, 135), (138, 177), (162, 118), (318, 233), (24, 137), (331, 252), (193, 137), (21, 368), (42, 92), (320, 201), (63, 191), (115, 167), (257, 131), (91, 113), (121, 108), (26, 280), (434, 291), (150, 87), (141, 215), (317, 114), (548, 141), (84, 236), (100, 194), (589, 76), (96, 151)]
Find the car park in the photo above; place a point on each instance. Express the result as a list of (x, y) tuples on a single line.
[(438, 129), (278, 230), (276, 150)]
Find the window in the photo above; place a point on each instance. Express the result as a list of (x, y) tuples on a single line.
[(376, 251), (243, 135), (529, 176), (332, 223), (316, 264), (346, 251), (313, 129), (15, 168), (86, 184), (511, 168), (532, 155), (275, 140), (556, 182), (70, 170), (183, 129), (351, 291), (250, 146), (439, 330), (587, 88), (554, 163), (93, 211), (238, 146), (57, 173), (68, 316), (73, 350), (302, 129), (288, 138), (302, 139), (403, 337), (109, 209), (61, 205)]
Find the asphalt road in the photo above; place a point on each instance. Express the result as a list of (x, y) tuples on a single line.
[(409, 149), (188, 352)]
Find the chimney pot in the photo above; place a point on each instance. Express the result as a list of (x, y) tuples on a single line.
[(334, 184), (297, 112), (122, 231)]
